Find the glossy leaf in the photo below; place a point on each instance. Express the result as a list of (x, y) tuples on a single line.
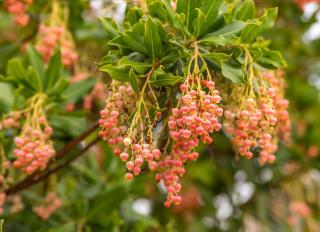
[(207, 16), (246, 11), (120, 73), (133, 80), (53, 72), (110, 26), (34, 79), (165, 79), (232, 72), (226, 35), (134, 14), (139, 67), (271, 59), (68, 124), (158, 9), (59, 87), (134, 38), (77, 90), (36, 61), (152, 39), (188, 8), (216, 57)]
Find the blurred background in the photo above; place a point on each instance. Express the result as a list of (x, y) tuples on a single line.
[(220, 193)]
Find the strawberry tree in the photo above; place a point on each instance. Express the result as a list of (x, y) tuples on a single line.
[(143, 93), (175, 68)]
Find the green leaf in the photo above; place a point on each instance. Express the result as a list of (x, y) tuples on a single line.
[(211, 10), (165, 79), (139, 67), (110, 26), (133, 80), (226, 35), (269, 18), (207, 16), (77, 90), (152, 39), (16, 70), (229, 30), (1, 224), (246, 11), (271, 59), (134, 38), (68, 125), (199, 23), (251, 31), (134, 42), (217, 57), (34, 79), (158, 9), (232, 72), (107, 201), (118, 42), (36, 61), (220, 40), (53, 71), (120, 73), (134, 14), (171, 15), (6, 97), (58, 88), (257, 26), (188, 8)]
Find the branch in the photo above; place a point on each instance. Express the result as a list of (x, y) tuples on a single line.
[(76, 141), (34, 178)]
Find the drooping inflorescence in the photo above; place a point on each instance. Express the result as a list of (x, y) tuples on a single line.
[(50, 205), (194, 119), (277, 82), (33, 147), (132, 141), (18, 8), (53, 35), (256, 120)]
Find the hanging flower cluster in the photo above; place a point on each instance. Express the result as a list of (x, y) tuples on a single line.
[(16, 204), (53, 35), (11, 121), (255, 122), (194, 119), (50, 205), (34, 148), (134, 142), (276, 81), (18, 8)]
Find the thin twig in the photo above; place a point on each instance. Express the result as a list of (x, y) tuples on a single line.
[(76, 141)]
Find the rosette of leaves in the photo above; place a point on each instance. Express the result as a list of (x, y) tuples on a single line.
[(160, 37)]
